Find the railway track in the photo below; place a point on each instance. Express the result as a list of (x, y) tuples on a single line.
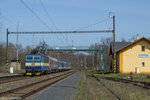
[(110, 90), (27, 90), (145, 85), (7, 79), (11, 79)]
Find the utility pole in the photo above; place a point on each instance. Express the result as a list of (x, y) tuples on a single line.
[(72, 44), (93, 61), (33, 41), (85, 66), (114, 52), (17, 47), (7, 50)]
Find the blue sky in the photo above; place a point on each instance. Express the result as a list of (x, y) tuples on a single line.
[(132, 17)]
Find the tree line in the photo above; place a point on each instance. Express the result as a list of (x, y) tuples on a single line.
[(79, 60)]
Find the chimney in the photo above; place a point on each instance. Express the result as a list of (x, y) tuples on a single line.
[(131, 40), (137, 36)]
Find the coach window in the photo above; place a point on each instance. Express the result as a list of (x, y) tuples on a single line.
[(143, 48)]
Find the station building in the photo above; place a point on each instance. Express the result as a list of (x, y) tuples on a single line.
[(133, 56)]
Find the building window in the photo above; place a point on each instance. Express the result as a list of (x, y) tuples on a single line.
[(143, 48), (143, 64)]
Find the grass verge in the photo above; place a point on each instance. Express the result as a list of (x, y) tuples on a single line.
[(90, 89), (136, 77)]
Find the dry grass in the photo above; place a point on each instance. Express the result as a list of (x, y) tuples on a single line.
[(90, 89), (136, 77), (128, 91)]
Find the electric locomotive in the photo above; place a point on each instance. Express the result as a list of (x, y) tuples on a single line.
[(36, 64)]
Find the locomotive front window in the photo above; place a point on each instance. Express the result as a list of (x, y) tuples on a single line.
[(29, 58), (36, 57)]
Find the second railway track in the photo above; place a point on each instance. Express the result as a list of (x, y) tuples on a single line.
[(145, 85), (111, 91)]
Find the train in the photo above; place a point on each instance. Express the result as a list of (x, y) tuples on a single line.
[(38, 64)]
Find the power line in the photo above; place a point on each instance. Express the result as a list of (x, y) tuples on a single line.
[(9, 20), (90, 25), (35, 14), (49, 16), (37, 17)]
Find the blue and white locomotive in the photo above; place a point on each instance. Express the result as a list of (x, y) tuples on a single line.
[(37, 64)]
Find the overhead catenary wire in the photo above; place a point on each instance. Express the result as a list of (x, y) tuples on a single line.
[(90, 25), (9, 20), (38, 17), (47, 13), (35, 14), (50, 18), (52, 21)]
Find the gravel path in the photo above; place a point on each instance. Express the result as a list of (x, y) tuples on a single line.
[(64, 90)]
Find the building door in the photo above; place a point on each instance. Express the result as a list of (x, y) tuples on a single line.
[(137, 70), (11, 70)]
